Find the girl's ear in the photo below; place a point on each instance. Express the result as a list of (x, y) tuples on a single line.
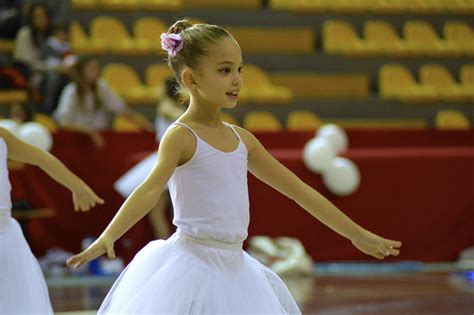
[(189, 78)]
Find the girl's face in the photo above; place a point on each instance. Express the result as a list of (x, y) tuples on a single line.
[(40, 19), (218, 77), (91, 71)]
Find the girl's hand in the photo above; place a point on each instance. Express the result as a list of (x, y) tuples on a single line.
[(102, 245), (84, 199), (97, 139), (377, 246)]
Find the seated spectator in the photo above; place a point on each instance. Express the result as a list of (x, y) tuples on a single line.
[(88, 105)]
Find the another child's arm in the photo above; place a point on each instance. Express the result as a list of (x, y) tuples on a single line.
[(266, 168), (142, 199), (83, 197)]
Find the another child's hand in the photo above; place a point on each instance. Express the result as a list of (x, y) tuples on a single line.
[(84, 199), (102, 245), (377, 246), (97, 139)]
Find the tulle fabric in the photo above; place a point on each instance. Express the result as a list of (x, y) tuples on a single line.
[(184, 275), (23, 289)]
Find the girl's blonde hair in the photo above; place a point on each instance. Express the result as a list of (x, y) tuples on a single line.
[(196, 41)]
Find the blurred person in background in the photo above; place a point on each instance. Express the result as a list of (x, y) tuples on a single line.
[(88, 105)]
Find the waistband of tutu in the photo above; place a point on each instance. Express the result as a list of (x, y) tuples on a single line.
[(5, 216), (210, 242)]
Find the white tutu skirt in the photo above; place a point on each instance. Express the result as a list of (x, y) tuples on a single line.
[(23, 289), (185, 275), (126, 184)]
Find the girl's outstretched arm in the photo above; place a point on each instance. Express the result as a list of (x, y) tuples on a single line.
[(83, 197), (173, 149), (266, 168)]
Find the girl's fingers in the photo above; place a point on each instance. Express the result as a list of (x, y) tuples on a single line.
[(394, 252), (392, 243), (378, 255), (110, 252), (98, 199)]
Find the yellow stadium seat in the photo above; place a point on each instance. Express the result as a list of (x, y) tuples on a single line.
[(439, 78), (302, 121), (358, 123), (115, 36), (119, 4), (46, 121), (121, 124), (459, 34), (147, 31), (461, 7), (384, 37), (451, 119), (155, 75), (347, 6), (396, 82), (84, 4), (125, 81), (310, 86), (281, 4), (390, 6), (340, 38), (258, 88), (295, 40), (261, 121), (466, 77), (162, 5), (423, 38), (228, 118), (81, 44), (227, 4), (428, 6)]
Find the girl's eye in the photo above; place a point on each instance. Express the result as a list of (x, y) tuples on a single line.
[(241, 69), (226, 70)]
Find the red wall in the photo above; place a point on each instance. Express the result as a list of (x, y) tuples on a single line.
[(417, 186)]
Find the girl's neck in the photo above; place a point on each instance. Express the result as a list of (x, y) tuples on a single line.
[(205, 114)]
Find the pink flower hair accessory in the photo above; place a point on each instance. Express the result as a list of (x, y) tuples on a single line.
[(172, 43)]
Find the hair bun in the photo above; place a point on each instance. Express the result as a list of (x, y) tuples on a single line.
[(179, 26)]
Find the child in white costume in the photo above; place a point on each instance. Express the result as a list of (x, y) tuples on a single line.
[(202, 269), (22, 286)]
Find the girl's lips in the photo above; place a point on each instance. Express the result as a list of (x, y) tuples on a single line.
[(233, 96)]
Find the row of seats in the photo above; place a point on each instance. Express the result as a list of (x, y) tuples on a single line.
[(395, 83), (461, 7), (163, 5), (125, 81), (300, 120), (304, 120), (308, 121), (304, 6), (436, 83), (311, 85), (110, 35), (380, 38)]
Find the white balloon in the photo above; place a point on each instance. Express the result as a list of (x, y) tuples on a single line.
[(342, 177), (336, 136), (36, 134), (317, 154), (10, 125)]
